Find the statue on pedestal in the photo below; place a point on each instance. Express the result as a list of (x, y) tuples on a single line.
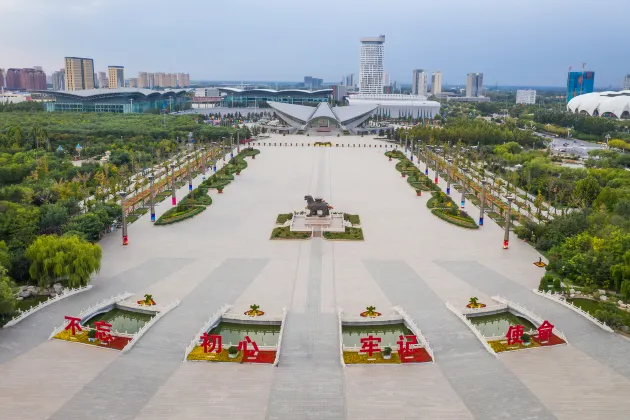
[(317, 206)]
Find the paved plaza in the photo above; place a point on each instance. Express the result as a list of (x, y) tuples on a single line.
[(409, 258)]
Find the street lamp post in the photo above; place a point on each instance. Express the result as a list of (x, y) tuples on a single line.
[(449, 167), (173, 196), (152, 204), (411, 150), (607, 139), (232, 146), (203, 160), (189, 172), (437, 165), (483, 201), (125, 239), (508, 215), (426, 159)]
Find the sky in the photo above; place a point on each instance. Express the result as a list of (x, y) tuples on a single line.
[(524, 43)]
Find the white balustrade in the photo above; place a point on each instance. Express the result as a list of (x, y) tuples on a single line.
[(66, 293), (527, 314), (137, 336), (93, 309), (209, 324), (279, 345), (563, 302), (343, 363), (475, 331), (416, 331)]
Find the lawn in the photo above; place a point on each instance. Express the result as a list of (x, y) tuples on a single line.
[(351, 234), (284, 232), (283, 217), (352, 218)]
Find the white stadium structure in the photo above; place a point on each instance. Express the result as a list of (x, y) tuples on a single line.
[(602, 104)]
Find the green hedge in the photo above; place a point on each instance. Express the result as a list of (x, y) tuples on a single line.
[(250, 152), (284, 232), (351, 234), (282, 218), (165, 219), (352, 218), (466, 222), (395, 154)]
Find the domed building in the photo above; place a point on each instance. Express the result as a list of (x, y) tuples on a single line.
[(602, 104)]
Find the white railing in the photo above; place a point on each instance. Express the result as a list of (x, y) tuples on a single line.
[(475, 331), (209, 324), (343, 363), (415, 330), (469, 311), (577, 309), (279, 345), (93, 309), (66, 293), (537, 320), (137, 336)]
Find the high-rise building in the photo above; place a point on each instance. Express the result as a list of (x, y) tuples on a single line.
[(579, 83), (626, 82), (26, 79), (116, 76), (436, 83), (420, 82), (312, 83), (143, 81), (474, 85), (371, 65), (59, 80), (79, 73), (183, 80), (133, 82), (387, 82), (348, 80), (151, 80), (2, 72), (526, 96), (103, 81)]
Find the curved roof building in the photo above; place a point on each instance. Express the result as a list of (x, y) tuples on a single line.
[(252, 97), (398, 106), (323, 118), (605, 104), (120, 100)]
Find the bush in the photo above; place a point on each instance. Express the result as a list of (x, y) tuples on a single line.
[(284, 232), (462, 219), (352, 218), (350, 234), (282, 218), (174, 215), (526, 338), (557, 283), (611, 315)]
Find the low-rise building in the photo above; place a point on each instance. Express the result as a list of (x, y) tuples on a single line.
[(526, 96)]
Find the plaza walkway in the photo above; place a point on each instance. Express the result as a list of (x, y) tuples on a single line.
[(409, 258)]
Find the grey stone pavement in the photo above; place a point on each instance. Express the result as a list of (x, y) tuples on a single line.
[(409, 258)]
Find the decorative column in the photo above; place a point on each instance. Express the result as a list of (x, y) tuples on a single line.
[(189, 172), (426, 160), (151, 200), (173, 196), (231, 148), (203, 160), (483, 201), (462, 201), (449, 167), (508, 215), (125, 239), (411, 151)]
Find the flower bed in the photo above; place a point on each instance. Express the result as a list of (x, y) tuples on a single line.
[(501, 345), (284, 232), (351, 234), (395, 154), (462, 220), (263, 356), (353, 357), (174, 215), (117, 343)]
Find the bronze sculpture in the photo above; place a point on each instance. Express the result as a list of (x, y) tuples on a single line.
[(317, 206)]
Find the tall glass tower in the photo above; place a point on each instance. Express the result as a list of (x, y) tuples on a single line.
[(579, 82), (371, 70)]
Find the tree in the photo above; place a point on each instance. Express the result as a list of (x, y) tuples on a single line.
[(53, 218), (66, 259), (586, 191), (89, 226), (7, 301)]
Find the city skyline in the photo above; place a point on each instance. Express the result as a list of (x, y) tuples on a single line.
[(502, 59)]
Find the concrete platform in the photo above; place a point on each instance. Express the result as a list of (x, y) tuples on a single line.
[(224, 255)]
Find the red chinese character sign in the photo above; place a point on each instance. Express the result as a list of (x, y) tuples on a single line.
[(243, 345), (369, 345), (545, 331), (103, 331), (211, 343), (405, 343), (74, 324), (514, 334)]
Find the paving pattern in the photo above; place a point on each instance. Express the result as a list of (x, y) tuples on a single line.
[(409, 258)]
